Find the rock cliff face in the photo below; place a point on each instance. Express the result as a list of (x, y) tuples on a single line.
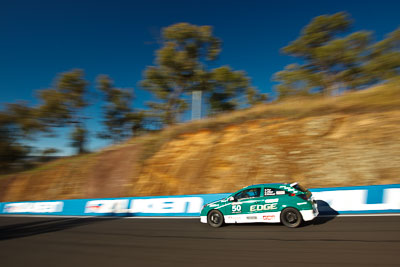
[(331, 150), (343, 147)]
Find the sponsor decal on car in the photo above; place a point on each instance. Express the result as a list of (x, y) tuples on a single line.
[(268, 217), (272, 200), (263, 207), (288, 188), (269, 192)]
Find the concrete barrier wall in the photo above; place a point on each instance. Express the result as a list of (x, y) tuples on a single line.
[(338, 200)]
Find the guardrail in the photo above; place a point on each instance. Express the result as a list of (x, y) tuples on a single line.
[(337, 200)]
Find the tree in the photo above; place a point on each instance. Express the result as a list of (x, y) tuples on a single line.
[(333, 62), (254, 97), (10, 150), (227, 86), (294, 81), (117, 110), (62, 105), (79, 139), (180, 65), (24, 119), (49, 151), (384, 58), (17, 122), (138, 121), (327, 58)]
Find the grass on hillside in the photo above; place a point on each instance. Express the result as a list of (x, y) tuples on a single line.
[(379, 98)]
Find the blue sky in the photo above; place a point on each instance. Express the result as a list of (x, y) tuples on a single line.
[(39, 39)]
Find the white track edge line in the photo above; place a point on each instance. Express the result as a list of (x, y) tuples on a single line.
[(179, 217), (363, 215), (103, 217)]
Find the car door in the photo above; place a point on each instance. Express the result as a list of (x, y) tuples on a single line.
[(269, 205), (240, 208)]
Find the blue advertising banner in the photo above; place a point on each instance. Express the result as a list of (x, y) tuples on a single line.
[(338, 200)]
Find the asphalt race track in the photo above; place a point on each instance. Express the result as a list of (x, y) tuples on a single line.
[(341, 241)]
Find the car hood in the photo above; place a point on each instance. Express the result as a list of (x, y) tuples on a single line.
[(217, 203)]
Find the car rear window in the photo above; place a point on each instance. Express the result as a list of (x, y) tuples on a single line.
[(301, 188)]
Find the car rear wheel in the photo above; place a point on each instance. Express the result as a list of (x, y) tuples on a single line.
[(291, 217), (215, 218)]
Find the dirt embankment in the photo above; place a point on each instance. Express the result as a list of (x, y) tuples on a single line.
[(106, 174), (331, 150), (343, 147)]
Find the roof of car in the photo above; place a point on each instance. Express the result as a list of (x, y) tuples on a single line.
[(270, 184)]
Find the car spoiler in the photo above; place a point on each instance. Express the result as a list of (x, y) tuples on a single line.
[(293, 184)]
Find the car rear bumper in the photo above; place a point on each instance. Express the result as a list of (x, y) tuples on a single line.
[(309, 215)]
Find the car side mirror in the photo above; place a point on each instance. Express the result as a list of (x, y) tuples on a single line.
[(231, 199)]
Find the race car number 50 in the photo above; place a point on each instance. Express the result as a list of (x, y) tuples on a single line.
[(236, 208)]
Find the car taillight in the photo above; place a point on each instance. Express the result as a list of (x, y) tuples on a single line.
[(303, 196)]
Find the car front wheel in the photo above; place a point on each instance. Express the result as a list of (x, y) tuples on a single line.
[(291, 217), (215, 218)]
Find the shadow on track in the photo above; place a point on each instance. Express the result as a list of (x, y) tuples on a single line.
[(326, 214), (42, 227), (317, 221)]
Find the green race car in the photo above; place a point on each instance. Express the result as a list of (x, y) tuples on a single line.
[(272, 203)]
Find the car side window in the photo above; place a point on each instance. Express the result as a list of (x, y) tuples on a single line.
[(248, 193), (273, 192)]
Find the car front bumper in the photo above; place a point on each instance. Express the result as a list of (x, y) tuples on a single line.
[(203, 219)]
